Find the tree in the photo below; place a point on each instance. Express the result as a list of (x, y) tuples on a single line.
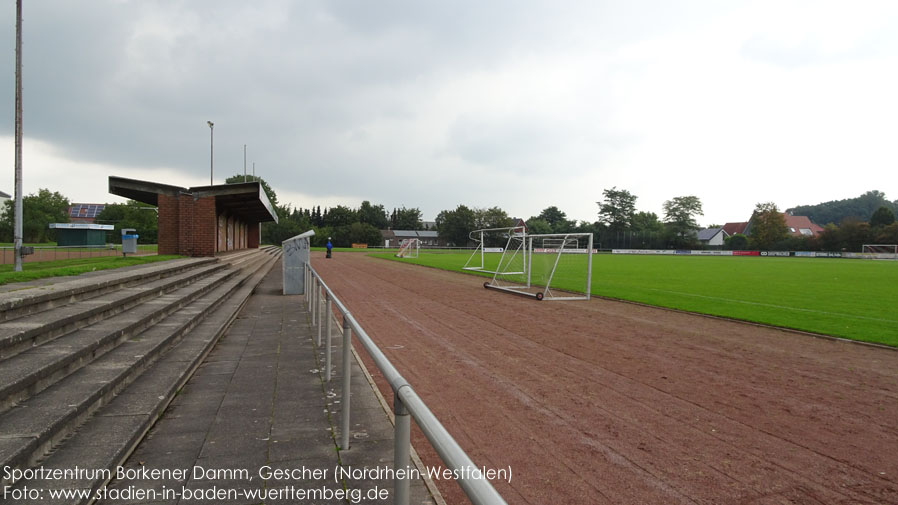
[(768, 226), (408, 219), (858, 208), (854, 234), (882, 217), (538, 226), (491, 218), (38, 211), (132, 214), (454, 226), (375, 215), (646, 222), (291, 222), (736, 242), (364, 233), (888, 234), (552, 215), (556, 219), (679, 214), (339, 216), (617, 209)]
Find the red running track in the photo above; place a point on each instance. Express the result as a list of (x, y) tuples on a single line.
[(605, 402)]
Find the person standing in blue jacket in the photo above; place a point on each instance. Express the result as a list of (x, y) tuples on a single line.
[(329, 247)]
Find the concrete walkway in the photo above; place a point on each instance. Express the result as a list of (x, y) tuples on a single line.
[(258, 405)]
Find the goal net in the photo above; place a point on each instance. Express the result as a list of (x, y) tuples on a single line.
[(409, 248), (546, 266), (880, 251)]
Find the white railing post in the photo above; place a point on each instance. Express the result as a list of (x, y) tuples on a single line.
[(347, 375), (308, 289), (401, 451), (314, 299), (327, 355), (329, 315), (321, 316)]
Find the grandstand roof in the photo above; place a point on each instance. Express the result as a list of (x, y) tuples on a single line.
[(247, 199)]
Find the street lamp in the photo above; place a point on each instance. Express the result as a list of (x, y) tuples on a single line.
[(211, 148)]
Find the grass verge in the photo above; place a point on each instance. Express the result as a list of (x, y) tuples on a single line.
[(40, 270)]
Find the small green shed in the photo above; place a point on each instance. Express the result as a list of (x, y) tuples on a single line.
[(81, 234)]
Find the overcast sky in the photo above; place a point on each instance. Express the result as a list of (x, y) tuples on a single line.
[(426, 104)]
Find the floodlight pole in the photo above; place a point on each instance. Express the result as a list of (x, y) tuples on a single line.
[(17, 227), (244, 162), (211, 148)]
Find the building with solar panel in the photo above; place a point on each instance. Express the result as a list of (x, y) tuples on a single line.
[(81, 234), (85, 212)]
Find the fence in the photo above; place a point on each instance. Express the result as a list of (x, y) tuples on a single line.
[(406, 403), (52, 253)]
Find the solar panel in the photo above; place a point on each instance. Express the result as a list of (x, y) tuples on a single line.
[(90, 210)]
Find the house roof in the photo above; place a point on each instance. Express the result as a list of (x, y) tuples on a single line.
[(734, 228), (4, 195), (709, 233), (801, 226)]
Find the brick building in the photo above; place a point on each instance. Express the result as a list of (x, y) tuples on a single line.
[(203, 220)]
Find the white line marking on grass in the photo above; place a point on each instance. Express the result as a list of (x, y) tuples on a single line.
[(784, 307)]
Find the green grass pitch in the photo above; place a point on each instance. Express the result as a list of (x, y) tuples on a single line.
[(855, 299)]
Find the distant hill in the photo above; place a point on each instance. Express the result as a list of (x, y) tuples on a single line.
[(835, 211)]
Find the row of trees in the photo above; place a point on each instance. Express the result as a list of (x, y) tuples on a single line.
[(619, 223), (769, 232), (45, 207), (860, 208), (343, 225), (38, 211)]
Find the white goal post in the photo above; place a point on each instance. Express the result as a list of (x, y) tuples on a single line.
[(409, 248), (880, 251), (552, 266)]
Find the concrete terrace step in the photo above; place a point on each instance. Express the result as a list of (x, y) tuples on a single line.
[(36, 328), (114, 431), (29, 430), (31, 371), (19, 299)]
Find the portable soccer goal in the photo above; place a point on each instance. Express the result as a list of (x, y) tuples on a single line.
[(880, 251), (553, 266), (498, 250), (409, 248)]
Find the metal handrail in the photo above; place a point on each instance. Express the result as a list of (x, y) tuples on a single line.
[(406, 403)]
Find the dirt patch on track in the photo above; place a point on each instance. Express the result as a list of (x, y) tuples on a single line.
[(603, 402)]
